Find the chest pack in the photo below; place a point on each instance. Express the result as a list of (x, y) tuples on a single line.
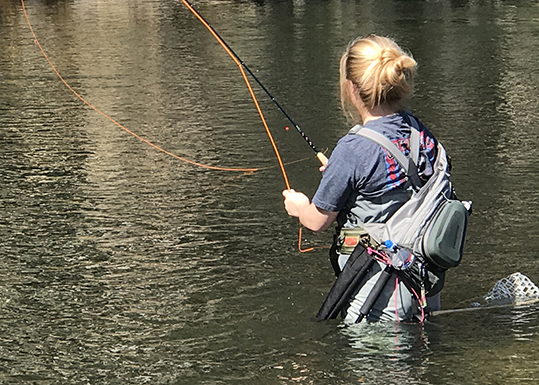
[(432, 224)]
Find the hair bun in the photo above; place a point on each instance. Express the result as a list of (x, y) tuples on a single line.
[(388, 54), (380, 69)]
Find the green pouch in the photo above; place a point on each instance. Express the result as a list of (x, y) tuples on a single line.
[(443, 240)]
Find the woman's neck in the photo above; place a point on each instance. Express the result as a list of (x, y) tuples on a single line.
[(376, 113)]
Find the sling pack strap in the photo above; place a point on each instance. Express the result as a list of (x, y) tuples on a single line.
[(414, 140), (408, 163)]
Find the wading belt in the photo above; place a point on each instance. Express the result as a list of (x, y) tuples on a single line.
[(349, 238), (345, 241)]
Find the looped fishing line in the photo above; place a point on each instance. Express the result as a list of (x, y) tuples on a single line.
[(249, 87), (245, 170)]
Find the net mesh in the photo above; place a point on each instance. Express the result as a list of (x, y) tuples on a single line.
[(514, 288)]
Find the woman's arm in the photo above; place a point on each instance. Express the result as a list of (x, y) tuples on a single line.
[(298, 205)]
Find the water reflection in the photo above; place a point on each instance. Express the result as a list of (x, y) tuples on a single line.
[(487, 336), (398, 353)]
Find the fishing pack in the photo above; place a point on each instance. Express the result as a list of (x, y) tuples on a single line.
[(432, 223)]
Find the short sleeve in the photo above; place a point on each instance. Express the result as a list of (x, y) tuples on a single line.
[(338, 180)]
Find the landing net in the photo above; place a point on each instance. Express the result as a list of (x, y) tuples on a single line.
[(512, 289)]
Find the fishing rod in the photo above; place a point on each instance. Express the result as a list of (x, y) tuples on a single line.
[(321, 157)]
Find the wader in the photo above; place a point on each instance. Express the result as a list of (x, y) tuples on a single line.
[(422, 238)]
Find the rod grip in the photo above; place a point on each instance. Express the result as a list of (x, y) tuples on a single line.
[(322, 158)]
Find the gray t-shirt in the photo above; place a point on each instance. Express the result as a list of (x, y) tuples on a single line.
[(363, 181)]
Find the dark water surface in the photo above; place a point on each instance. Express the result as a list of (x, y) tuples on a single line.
[(123, 265)]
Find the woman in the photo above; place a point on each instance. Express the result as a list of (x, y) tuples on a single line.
[(362, 183)]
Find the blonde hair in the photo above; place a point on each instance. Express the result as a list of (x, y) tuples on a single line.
[(380, 70)]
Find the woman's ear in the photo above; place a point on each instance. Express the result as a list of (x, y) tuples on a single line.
[(352, 89), (353, 93), (357, 102)]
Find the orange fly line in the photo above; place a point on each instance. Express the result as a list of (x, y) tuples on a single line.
[(249, 87), (246, 170)]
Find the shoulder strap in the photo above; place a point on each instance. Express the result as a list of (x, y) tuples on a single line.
[(408, 163), (414, 140), (388, 145)]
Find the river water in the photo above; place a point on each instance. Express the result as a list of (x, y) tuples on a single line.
[(121, 264)]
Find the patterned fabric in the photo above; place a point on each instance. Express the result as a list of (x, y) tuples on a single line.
[(363, 182), (395, 173)]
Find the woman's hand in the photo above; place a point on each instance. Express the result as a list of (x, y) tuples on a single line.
[(298, 205), (295, 202)]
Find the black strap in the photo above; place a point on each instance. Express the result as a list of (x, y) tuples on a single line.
[(356, 268), (375, 293)]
